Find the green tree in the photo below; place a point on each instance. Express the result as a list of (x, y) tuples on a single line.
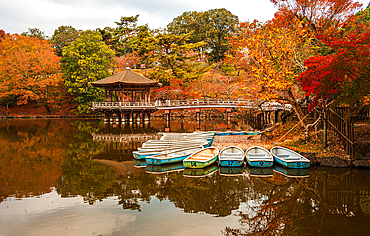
[(35, 32), (64, 36), (120, 38), (211, 26), (173, 57), (86, 60)]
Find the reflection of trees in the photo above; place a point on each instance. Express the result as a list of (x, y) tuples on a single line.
[(80, 174), (31, 153), (323, 204)]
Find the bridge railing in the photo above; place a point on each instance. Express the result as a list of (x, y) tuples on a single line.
[(196, 103)]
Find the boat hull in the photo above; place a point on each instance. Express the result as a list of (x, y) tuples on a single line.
[(231, 163), (199, 164), (156, 161), (260, 163)]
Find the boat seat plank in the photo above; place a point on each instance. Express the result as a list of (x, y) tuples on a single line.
[(257, 154), (283, 155), (231, 154)]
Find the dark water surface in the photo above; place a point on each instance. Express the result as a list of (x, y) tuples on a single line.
[(78, 177)]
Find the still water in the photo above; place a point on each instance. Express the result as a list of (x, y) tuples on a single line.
[(77, 177)]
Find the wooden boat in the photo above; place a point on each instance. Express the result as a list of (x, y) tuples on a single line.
[(202, 172), (202, 158), (172, 157), (175, 167), (231, 156), (260, 171), (292, 173), (259, 157), (231, 171), (289, 158)]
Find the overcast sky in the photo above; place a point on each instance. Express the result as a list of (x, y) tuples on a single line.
[(16, 16)]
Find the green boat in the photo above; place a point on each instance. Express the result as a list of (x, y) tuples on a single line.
[(201, 158)]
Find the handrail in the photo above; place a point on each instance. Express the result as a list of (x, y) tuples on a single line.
[(191, 103)]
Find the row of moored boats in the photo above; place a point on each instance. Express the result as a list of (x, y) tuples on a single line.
[(194, 150)]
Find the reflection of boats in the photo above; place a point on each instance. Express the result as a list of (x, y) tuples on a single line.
[(289, 158), (172, 157), (164, 168), (259, 157), (231, 171), (231, 156), (189, 172), (201, 158), (140, 163), (298, 172), (260, 171)]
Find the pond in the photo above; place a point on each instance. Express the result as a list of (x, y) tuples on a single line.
[(78, 177)]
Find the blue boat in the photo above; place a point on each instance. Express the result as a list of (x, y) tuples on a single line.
[(259, 157), (289, 158), (231, 156), (172, 157), (292, 173)]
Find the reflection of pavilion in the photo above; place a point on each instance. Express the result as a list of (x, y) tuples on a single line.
[(121, 139)]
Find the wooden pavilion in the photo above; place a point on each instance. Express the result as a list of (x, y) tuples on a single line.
[(127, 95)]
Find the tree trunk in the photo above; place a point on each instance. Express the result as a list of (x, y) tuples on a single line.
[(47, 107), (297, 109)]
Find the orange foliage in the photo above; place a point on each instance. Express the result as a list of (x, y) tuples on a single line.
[(29, 70), (323, 17)]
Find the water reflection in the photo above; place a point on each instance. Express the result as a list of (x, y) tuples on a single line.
[(36, 156)]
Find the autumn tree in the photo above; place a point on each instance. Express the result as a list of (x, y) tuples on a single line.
[(212, 27), (322, 17), (272, 56), (29, 71), (86, 60), (63, 36)]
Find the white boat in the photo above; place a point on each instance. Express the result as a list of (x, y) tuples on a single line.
[(259, 157), (142, 153), (231, 156), (289, 158)]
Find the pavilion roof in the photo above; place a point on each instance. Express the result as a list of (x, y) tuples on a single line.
[(126, 77)]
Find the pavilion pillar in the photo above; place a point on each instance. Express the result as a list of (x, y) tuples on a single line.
[(110, 95), (105, 94), (168, 120)]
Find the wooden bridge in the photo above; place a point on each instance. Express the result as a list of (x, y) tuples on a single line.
[(190, 104)]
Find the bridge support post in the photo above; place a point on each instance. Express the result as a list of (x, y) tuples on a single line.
[(168, 120), (118, 117), (228, 111), (197, 115)]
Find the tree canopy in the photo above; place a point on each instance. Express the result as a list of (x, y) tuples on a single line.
[(86, 60), (211, 26), (29, 70)]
